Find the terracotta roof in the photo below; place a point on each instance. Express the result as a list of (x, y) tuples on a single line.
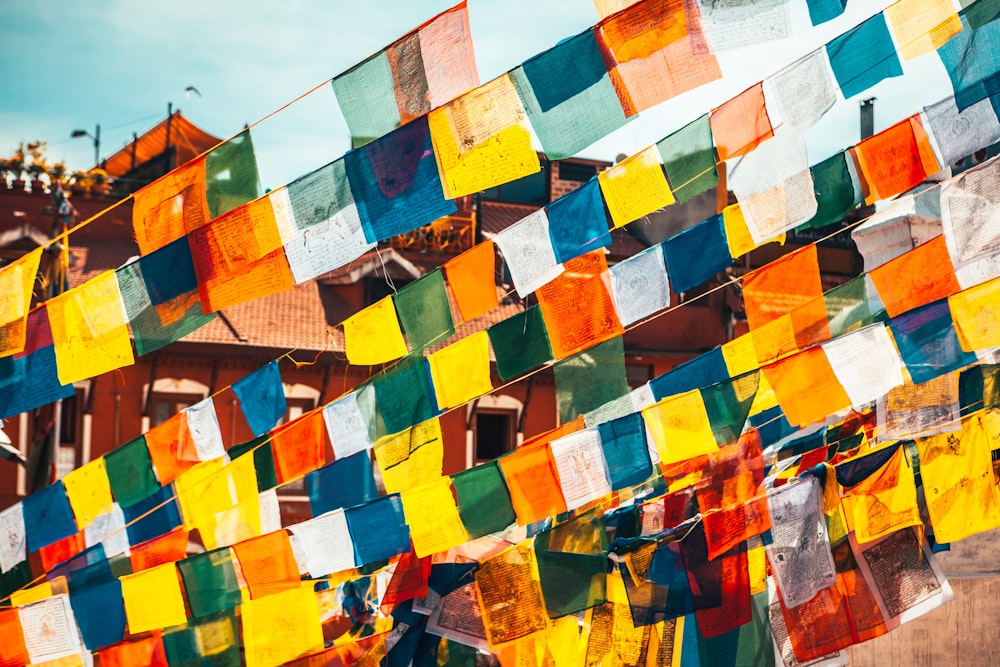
[(188, 140), (495, 216)]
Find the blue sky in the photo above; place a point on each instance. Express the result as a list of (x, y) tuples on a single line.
[(69, 65)]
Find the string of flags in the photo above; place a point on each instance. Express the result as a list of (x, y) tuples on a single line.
[(674, 521)]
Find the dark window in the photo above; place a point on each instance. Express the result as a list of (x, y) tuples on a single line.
[(494, 433), (530, 189), (575, 171), (70, 419), (166, 405), (638, 374), (377, 288)]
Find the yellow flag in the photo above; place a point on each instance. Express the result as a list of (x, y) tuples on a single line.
[(29, 595), (738, 234), (153, 599), (373, 336), (635, 187), (411, 458), (510, 595), (89, 329), (740, 355), (17, 280), (976, 312), (281, 627), (680, 427), (884, 502), (957, 474), (461, 371), (432, 515), (922, 26), (480, 139), (89, 492), (221, 501)]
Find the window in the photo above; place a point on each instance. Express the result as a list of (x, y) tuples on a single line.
[(638, 374), (575, 171), (494, 433), (70, 453), (377, 288), (167, 404)]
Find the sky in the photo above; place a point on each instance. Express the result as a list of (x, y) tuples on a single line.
[(70, 65)]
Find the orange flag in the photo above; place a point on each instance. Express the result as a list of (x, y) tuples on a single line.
[(916, 278), (170, 207), (472, 278)]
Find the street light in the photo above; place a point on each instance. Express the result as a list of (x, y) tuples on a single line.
[(96, 136)]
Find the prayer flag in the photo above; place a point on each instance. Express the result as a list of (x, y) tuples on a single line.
[(231, 177), (346, 427), (577, 222), (378, 530), (976, 312), (799, 95), (280, 627), (921, 26), (863, 56), (89, 492), (680, 428), (435, 524), (533, 483), (412, 457), (299, 446), (635, 187), (17, 282), (267, 564), (344, 483), (424, 312), (153, 599), (806, 386), (373, 336), (912, 159), (325, 543), (915, 278), (484, 502), (48, 516), (590, 379), (528, 252), (972, 61), (130, 472), (741, 124), (472, 279), (89, 329), (262, 398), (404, 395), (697, 254), (170, 207), (520, 343), (689, 159), (461, 371), (640, 286)]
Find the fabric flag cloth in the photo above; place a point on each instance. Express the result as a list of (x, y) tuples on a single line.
[(404, 395), (928, 343), (267, 564), (836, 190), (325, 542), (12, 638), (922, 26), (866, 363), (481, 139), (210, 582), (231, 177), (512, 570), (640, 286), (484, 502), (328, 232), (346, 427), (17, 282), (738, 232), (655, 50), (970, 218), (741, 123), (799, 552), (13, 547), (689, 159), (48, 516), (171, 448), (89, 329), (961, 133), (299, 446), (89, 492), (577, 222), (956, 472), (884, 501), (520, 343), (472, 279), (821, 11), (916, 278), (568, 96), (577, 306), (533, 483), (528, 252), (423, 309), (49, 628), (863, 56), (153, 599), (579, 461), (100, 612), (153, 516), (806, 387), (170, 207), (626, 455), (396, 184), (976, 314), (912, 159), (31, 377), (774, 187), (168, 272), (146, 651), (799, 95), (635, 187), (680, 428), (431, 513), (130, 472), (590, 379), (412, 457), (418, 72), (704, 370), (744, 23), (155, 326), (697, 254), (281, 627), (346, 482), (262, 398), (378, 529), (790, 286), (972, 60), (373, 335), (461, 371)]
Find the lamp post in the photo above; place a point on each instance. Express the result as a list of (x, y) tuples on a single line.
[(96, 136)]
